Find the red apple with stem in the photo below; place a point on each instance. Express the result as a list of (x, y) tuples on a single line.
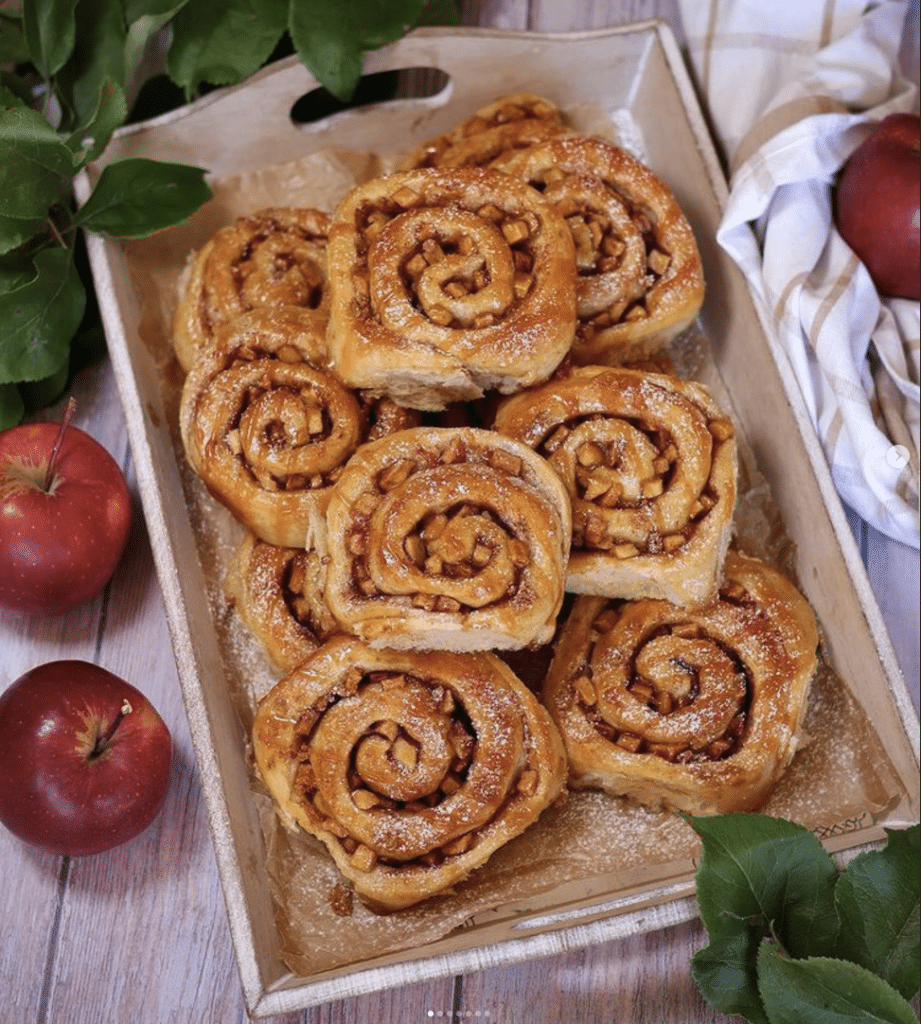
[(86, 758), (877, 205), (65, 515)]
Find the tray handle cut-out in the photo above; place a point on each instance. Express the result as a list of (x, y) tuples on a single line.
[(373, 90)]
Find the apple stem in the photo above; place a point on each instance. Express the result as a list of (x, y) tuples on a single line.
[(55, 451), (103, 741)]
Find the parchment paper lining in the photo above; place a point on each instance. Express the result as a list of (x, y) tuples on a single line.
[(839, 780)]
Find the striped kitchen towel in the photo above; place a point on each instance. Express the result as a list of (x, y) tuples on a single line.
[(791, 90)]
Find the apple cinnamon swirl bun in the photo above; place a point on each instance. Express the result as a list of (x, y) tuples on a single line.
[(448, 538), (640, 275), (697, 710), (275, 256), (278, 594), (650, 465), (505, 125), (268, 427), (412, 768), (446, 283)]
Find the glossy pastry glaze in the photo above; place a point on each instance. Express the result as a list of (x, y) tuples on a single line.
[(640, 274), (269, 427), (447, 537), (275, 256), (505, 125), (650, 464), (411, 767), (698, 710), (446, 283), (277, 592)]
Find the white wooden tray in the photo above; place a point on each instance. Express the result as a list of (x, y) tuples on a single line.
[(635, 74)]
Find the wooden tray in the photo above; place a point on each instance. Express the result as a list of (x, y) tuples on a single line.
[(636, 74)]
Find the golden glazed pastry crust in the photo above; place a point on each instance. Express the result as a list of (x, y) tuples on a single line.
[(268, 427), (278, 593), (650, 465), (446, 283), (640, 275), (696, 710), (412, 768), (505, 125), (451, 538), (275, 256)]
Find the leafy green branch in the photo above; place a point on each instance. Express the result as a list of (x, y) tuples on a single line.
[(70, 72), (792, 938)]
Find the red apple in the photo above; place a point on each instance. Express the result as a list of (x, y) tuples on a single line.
[(86, 758), (65, 513), (877, 209)]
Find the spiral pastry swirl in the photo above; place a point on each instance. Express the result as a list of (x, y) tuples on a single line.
[(452, 538), (445, 283), (650, 465), (277, 593), (268, 427), (412, 768), (503, 126), (697, 710), (275, 256), (640, 275)]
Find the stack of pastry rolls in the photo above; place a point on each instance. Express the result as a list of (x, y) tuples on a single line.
[(444, 415)]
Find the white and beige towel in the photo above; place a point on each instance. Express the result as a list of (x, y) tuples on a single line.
[(791, 90)]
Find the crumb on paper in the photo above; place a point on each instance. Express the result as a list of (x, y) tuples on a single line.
[(341, 900)]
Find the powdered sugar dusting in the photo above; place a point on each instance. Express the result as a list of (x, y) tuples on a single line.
[(840, 775)]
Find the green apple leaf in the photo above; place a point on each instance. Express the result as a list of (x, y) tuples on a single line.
[(219, 45), (36, 167), (331, 38), (878, 898), (99, 54), (13, 231), (136, 197), (142, 26), (11, 406), (13, 46), (759, 877), (770, 876), (726, 974), (88, 143), (16, 270), (50, 30), (14, 90), (823, 990), (157, 9), (39, 394), (39, 316)]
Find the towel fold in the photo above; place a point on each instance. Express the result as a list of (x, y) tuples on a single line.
[(791, 91)]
